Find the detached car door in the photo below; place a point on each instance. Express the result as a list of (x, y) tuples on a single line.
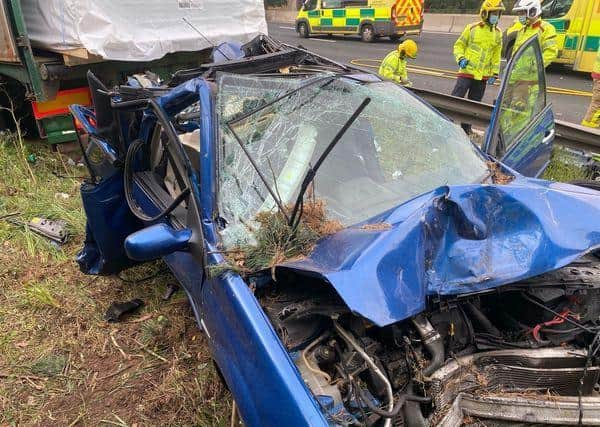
[(521, 131)]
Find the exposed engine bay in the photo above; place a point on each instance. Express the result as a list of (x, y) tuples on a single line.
[(493, 355)]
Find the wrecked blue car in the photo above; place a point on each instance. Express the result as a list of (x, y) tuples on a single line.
[(456, 288)]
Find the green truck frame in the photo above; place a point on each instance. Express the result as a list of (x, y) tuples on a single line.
[(31, 74)]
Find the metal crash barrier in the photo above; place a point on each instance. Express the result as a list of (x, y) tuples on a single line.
[(464, 110)]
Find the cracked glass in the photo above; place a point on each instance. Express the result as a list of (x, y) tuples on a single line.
[(397, 148)]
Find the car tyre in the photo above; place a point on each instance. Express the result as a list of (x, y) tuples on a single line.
[(396, 37), (303, 30), (367, 33)]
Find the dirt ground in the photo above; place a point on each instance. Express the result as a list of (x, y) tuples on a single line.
[(61, 363)]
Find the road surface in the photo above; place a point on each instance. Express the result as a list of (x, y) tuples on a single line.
[(434, 66)]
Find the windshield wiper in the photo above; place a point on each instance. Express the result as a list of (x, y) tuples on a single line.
[(257, 169), (310, 175), (292, 221), (326, 80)]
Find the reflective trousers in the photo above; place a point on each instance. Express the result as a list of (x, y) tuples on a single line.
[(592, 117)]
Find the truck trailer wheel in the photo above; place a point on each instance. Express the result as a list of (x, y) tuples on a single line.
[(303, 30), (367, 33)]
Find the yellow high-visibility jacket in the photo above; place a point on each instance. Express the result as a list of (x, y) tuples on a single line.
[(546, 35), (393, 67), (481, 45)]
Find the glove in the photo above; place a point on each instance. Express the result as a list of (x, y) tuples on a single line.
[(463, 63), (407, 83), (491, 80)]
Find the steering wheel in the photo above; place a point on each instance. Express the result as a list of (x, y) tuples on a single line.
[(134, 147)]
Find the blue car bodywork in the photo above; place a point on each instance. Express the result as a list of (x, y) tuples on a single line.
[(452, 240), (456, 240)]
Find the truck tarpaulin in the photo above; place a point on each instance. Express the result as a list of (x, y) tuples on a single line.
[(134, 30)]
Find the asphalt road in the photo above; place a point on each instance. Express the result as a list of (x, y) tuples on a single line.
[(435, 57)]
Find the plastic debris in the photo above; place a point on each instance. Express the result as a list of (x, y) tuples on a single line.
[(118, 309)]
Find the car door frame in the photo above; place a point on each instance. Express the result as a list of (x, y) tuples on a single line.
[(187, 266), (544, 115)]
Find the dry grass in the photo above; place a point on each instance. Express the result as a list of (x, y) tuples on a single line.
[(277, 242), (60, 362), (379, 226), (498, 177)]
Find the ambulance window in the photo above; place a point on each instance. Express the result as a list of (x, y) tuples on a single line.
[(355, 3), (332, 4), (310, 4), (556, 8)]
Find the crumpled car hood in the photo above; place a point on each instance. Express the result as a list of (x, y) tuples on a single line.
[(455, 240)]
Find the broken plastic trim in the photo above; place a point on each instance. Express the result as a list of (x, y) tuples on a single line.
[(119, 309), (316, 55)]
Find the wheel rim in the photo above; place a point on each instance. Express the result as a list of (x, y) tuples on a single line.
[(303, 29), (367, 33)]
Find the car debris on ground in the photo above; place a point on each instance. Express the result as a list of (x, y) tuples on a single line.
[(54, 230), (117, 310)]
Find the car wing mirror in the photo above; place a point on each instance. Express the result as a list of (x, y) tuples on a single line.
[(156, 241)]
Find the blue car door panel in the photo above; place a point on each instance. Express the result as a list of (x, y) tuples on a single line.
[(522, 126), (529, 157)]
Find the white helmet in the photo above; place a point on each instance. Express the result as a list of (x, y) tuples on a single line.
[(533, 8)]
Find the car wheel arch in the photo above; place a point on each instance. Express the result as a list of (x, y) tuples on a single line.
[(365, 24)]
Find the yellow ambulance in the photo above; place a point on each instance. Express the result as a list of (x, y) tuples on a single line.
[(577, 24), (368, 18)]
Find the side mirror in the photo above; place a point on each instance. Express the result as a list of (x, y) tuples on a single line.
[(156, 241)]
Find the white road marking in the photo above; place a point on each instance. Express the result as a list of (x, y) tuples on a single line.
[(438, 32), (287, 28), (323, 40)]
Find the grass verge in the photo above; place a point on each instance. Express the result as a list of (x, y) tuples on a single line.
[(60, 362), (564, 167)]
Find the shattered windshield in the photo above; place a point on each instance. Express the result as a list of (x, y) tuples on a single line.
[(398, 148)]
